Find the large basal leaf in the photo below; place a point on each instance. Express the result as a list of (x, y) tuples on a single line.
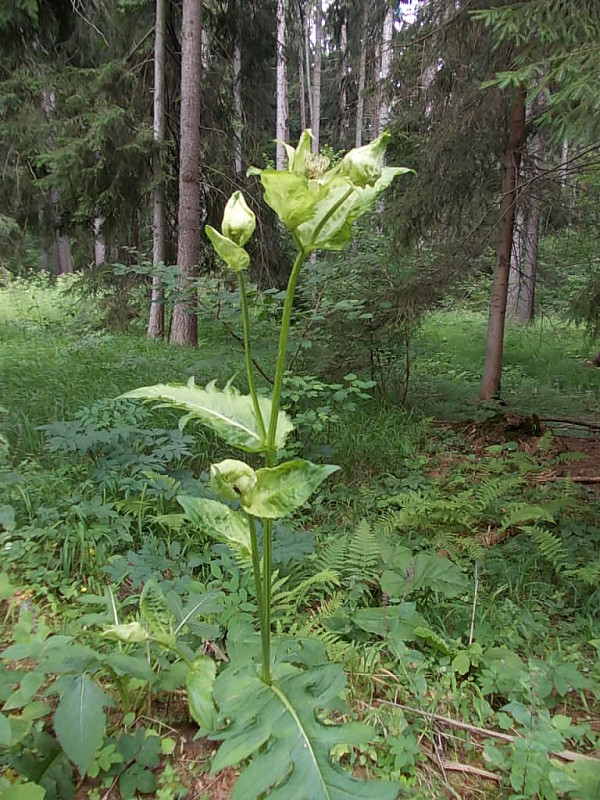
[(227, 412), (218, 521), (280, 724), (280, 490), (424, 571), (24, 791), (79, 720), (199, 683), (5, 731)]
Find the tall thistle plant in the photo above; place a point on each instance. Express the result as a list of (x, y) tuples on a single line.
[(271, 695)]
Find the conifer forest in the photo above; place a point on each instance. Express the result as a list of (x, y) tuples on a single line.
[(299, 399)]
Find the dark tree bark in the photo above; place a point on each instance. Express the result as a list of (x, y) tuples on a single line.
[(490, 386), (184, 328)]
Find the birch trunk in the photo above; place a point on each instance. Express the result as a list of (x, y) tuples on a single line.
[(516, 263), (302, 88), (238, 124), (99, 241), (362, 71), (386, 63), (490, 386), (307, 65), (184, 329), (316, 102), (281, 88), (526, 309), (156, 320), (343, 82)]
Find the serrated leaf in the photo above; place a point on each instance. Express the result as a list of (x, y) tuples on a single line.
[(280, 490), (227, 412), (285, 716), (231, 253), (155, 610), (79, 721), (199, 682), (218, 520)]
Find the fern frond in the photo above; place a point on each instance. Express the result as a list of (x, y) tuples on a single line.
[(550, 546)]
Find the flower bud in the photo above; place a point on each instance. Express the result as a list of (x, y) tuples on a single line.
[(231, 479), (238, 221), (363, 165)]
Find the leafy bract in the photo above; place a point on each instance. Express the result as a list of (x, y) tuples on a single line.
[(227, 412), (231, 253), (280, 490), (294, 763), (79, 720), (288, 194), (218, 521)]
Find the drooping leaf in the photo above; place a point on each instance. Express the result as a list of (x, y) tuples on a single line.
[(285, 716), (79, 720), (130, 632), (231, 253), (155, 610), (218, 521), (199, 682), (227, 412), (280, 490)]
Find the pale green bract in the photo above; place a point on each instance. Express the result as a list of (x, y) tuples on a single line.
[(231, 479), (231, 253), (227, 412), (280, 490), (129, 632), (218, 521)]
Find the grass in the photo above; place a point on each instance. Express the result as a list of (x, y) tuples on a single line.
[(101, 505)]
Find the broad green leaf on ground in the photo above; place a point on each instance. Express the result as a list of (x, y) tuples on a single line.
[(227, 412), (5, 731), (424, 571), (218, 521), (295, 763), (280, 490), (199, 682), (396, 622), (24, 791), (79, 720)]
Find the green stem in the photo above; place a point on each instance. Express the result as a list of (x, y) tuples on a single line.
[(281, 356), (266, 622), (260, 600), (248, 351)]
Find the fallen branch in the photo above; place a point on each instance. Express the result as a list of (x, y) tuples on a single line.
[(564, 755), (579, 423), (572, 478)]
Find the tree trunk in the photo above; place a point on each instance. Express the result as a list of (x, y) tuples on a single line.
[(386, 62), (307, 66), (99, 241), (281, 88), (302, 88), (526, 309), (490, 386), (316, 102), (238, 124), (362, 71), (156, 320), (343, 82), (516, 263), (184, 323)]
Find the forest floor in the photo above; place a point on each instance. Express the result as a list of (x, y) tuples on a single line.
[(491, 691)]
